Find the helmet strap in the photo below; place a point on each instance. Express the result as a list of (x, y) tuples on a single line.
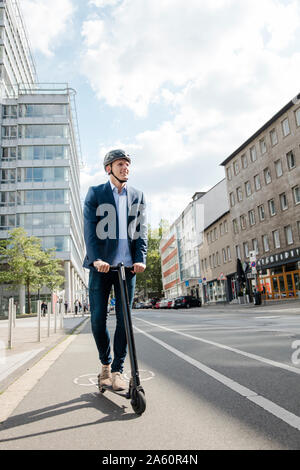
[(118, 179)]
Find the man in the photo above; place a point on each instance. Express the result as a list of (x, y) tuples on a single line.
[(115, 232)]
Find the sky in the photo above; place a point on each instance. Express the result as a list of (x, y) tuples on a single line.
[(177, 84)]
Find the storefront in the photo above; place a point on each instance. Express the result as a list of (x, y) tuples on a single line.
[(279, 277)]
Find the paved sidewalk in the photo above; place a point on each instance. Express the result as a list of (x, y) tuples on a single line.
[(26, 349), (279, 305)]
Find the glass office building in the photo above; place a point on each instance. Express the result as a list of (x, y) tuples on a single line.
[(40, 158)]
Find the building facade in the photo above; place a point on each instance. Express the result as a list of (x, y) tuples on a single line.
[(218, 266), (40, 159), (170, 264), (263, 184)]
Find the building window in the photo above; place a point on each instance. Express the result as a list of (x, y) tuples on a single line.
[(239, 194), (283, 201), (298, 225), (248, 188), (272, 209), (278, 168), (296, 193), (236, 167), (246, 249), (8, 176), (243, 222), (238, 251), (229, 175), (288, 235), (261, 212), (43, 110), (276, 239), (9, 112), (9, 154), (263, 146), (285, 127), (253, 154), (267, 175), (255, 245), (9, 132), (221, 230), (273, 137), (35, 131), (251, 217), (232, 199), (290, 160), (224, 255), (257, 183), (225, 226), (266, 245), (235, 226), (297, 115), (229, 252), (244, 161)]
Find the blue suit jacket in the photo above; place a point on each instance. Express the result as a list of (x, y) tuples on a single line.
[(101, 228)]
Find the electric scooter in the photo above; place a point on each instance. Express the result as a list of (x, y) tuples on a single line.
[(135, 392)]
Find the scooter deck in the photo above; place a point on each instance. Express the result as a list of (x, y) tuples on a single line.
[(121, 393)]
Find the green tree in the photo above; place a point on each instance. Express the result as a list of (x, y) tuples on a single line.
[(25, 263), (150, 280)]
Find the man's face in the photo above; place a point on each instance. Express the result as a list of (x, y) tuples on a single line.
[(120, 169)]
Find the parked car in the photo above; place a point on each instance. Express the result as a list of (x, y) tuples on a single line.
[(164, 303), (157, 305), (137, 305), (148, 304), (171, 303), (187, 301)]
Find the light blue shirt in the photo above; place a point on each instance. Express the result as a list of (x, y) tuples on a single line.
[(123, 254)]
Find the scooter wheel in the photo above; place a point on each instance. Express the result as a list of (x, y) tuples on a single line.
[(138, 402)]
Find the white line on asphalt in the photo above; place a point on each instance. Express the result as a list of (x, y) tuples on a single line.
[(280, 365), (276, 410), (268, 316)]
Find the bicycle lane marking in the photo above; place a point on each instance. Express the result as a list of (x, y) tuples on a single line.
[(280, 365), (269, 406)]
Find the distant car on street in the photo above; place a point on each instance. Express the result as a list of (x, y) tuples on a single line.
[(187, 301)]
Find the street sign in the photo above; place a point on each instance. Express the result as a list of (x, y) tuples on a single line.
[(251, 275), (222, 277), (200, 281)]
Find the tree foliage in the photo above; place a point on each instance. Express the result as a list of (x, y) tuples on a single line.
[(25, 263)]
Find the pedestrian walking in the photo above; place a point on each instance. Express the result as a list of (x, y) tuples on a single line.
[(115, 231), (44, 309), (76, 305), (66, 307)]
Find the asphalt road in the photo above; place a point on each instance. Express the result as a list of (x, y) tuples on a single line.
[(213, 380)]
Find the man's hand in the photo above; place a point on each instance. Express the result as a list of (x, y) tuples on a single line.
[(101, 266), (139, 268)]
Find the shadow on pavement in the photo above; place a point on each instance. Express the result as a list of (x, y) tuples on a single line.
[(106, 406)]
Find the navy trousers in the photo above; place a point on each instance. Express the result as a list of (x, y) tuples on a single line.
[(100, 285)]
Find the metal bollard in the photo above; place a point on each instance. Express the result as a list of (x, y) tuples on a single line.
[(49, 317), (55, 317), (10, 322), (39, 320)]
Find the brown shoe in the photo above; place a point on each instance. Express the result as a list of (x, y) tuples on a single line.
[(105, 379), (118, 384)]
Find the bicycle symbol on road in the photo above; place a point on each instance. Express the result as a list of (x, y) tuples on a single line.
[(90, 380)]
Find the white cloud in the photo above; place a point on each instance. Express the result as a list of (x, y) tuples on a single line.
[(46, 22), (141, 46), (222, 67)]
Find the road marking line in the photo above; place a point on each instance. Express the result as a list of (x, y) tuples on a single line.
[(280, 365), (276, 410)]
